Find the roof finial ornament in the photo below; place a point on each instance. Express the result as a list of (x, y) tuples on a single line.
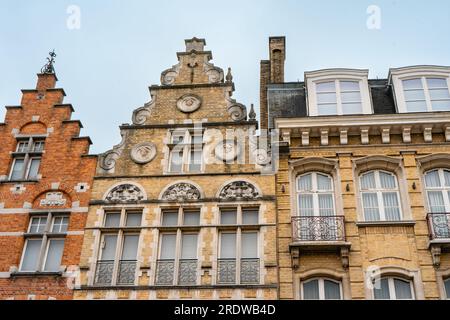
[(229, 76), (252, 113), (49, 68)]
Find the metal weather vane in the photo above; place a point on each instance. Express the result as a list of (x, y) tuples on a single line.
[(49, 68)]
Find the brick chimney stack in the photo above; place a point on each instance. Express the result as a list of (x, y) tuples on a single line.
[(46, 81)]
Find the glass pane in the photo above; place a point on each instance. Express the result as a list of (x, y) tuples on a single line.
[(381, 290), (34, 168), (189, 246), (326, 207), (402, 289), (195, 163), (436, 201), (197, 139), (387, 180), (38, 224), (54, 255), (305, 203), (134, 219), (370, 204), (432, 179), (130, 247), (305, 182), (17, 171), (332, 290), (191, 218), (437, 83), (412, 84), (168, 246), (415, 95), (327, 109), (31, 256), (439, 94), (447, 288), (22, 147), (170, 218), (228, 217), (249, 244), (326, 87), (324, 182), (109, 247), (60, 224), (250, 216), (391, 206), (228, 245), (416, 106), (352, 108), (351, 97), (178, 137), (350, 86), (447, 178), (176, 163), (324, 98), (112, 219), (311, 290), (441, 105), (38, 146), (368, 181)]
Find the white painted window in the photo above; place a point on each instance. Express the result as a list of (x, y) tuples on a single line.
[(321, 289), (391, 288), (44, 244), (338, 92), (426, 94), (315, 195), (437, 184), (27, 159), (380, 196), (186, 151)]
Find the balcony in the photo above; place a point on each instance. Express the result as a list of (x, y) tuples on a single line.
[(249, 271), (187, 272), (319, 234), (439, 229), (126, 273)]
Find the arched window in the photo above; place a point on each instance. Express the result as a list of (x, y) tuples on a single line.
[(321, 289), (380, 196), (437, 183), (447, 288), (391, 288), (315, 195)]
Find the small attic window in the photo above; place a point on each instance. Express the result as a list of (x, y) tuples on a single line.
[(338, 92)]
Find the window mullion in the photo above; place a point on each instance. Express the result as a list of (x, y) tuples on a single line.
[(238, 255), (427, 94), (338, 98), (321, 283), (178, 251), (392, 293), (117, 256)]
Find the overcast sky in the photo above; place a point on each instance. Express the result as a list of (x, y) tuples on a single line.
[(121, 47)]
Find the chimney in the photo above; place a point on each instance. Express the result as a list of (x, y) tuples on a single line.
[(264, 81), (277, 47)]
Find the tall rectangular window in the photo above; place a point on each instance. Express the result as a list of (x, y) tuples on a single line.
[(186, 151), (27, 159)]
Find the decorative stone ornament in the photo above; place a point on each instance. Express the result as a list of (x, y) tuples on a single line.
[(53, 199), (239, 190), (143, 153), (227, 150), (189, 103), (125, 193), (181, 192)]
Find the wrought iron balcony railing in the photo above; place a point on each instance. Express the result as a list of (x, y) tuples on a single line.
[(127, 272), (318, 228), (187, 272), (104, 272), (249, 271), (439, 225)]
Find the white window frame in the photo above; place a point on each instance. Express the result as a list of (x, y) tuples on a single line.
[(186, 146), (27, 156), (398, 75), (391, 285), (444, 190), (337, 75), (315, 192), (379, 192), (321, 287)]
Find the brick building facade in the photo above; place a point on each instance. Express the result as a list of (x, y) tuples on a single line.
[(45, 180)]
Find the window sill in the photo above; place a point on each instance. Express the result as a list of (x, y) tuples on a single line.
[(19, 181), (364, 224), (36, 274)]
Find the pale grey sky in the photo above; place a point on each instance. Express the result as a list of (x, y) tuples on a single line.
[(121, 47)]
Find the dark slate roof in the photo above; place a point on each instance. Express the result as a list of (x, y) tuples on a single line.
[(288, 100)]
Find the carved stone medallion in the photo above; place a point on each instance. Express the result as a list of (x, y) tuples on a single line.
[(143, 153), (125, 193), (239, 190), (189, 103), (53, 199), (181, 192), (227, 150)]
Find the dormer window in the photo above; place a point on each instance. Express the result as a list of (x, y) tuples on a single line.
[(338, 92), (27, 159), (421, 89)]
